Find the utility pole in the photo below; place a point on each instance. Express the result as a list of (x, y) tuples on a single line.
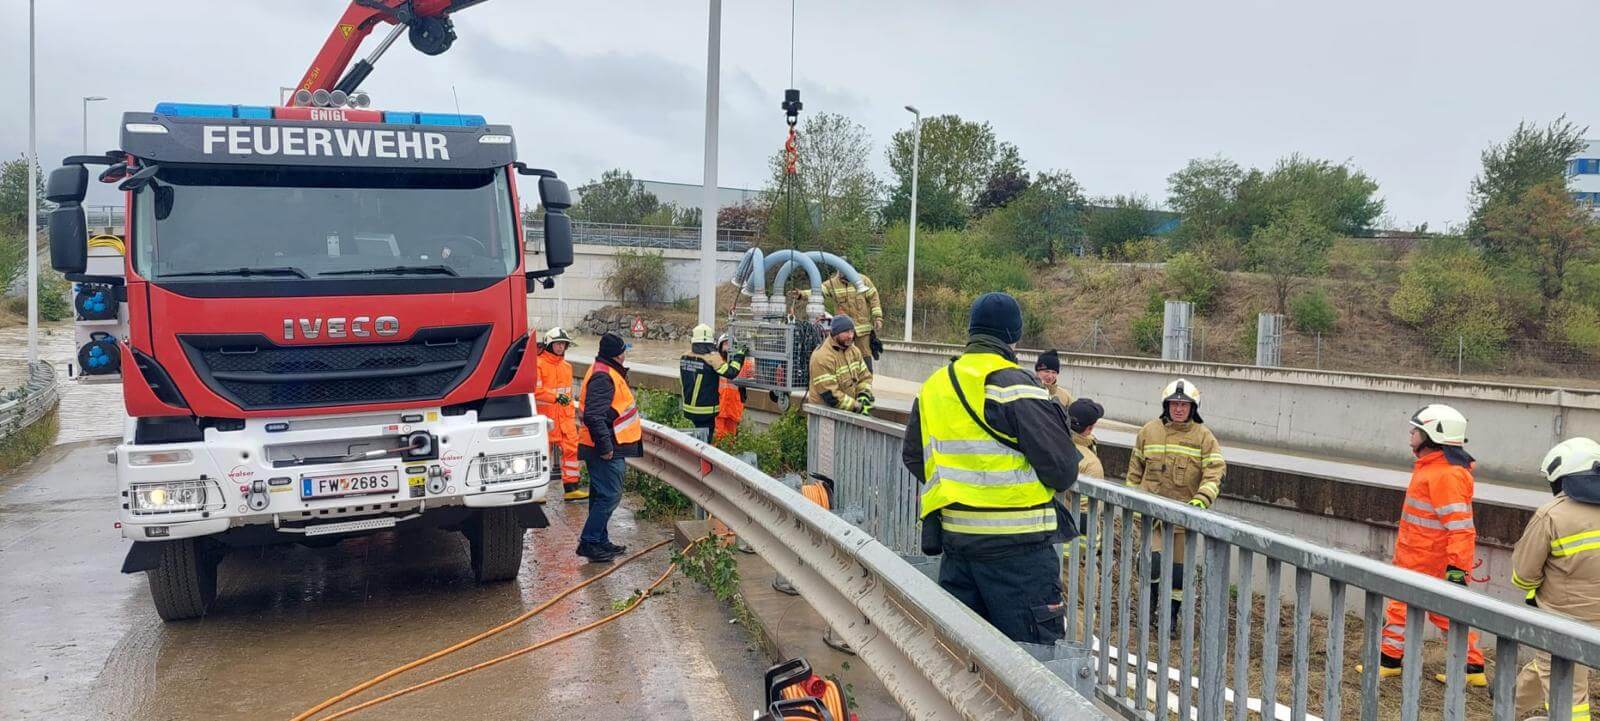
[(32, 233), (708, 204), (86, 100), (911, 249)]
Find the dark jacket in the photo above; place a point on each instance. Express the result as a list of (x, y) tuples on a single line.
[(1041, 429), (598, 415), (698, 373)]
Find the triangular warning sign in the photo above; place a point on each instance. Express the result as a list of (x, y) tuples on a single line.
[(347, 30)]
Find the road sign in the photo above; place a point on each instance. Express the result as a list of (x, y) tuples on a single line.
[(638, 327)]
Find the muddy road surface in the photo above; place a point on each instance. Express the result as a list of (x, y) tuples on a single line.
[(294, 625)]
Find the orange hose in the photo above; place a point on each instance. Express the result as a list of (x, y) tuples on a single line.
[(436, 655), (635, 603), (816, 493)]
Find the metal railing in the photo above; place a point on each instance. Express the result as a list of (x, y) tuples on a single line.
[(936, 657), (20, 407), (1218, 668), (640, 236)]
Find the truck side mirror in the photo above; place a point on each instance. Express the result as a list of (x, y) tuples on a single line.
[(69, 229), (555, 198)]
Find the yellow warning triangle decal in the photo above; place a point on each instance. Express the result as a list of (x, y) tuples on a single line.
[(347, 30)]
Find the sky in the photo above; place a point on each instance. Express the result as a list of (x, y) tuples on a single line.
[(1120, 94)]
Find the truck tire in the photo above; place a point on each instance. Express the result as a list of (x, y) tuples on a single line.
[(184, 584), (495, 538)]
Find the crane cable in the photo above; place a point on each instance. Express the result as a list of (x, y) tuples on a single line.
[(375, 680)]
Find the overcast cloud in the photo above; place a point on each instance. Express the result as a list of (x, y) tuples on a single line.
[(1121, 94)]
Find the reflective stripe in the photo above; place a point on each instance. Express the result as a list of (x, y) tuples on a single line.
[(1012, 393), (1458, 525), (1424, 522), (1450, 508), (1420, 505), (1523, 584), (1575, 539), (1575, 550), (823, 378), (1214, 457), (984, 478), (1179, 449), (998, 522), (966, 448)]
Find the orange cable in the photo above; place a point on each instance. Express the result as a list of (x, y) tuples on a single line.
[(436, 655)]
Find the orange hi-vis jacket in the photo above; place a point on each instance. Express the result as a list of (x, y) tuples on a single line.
[(555, 378), (1436, 529)]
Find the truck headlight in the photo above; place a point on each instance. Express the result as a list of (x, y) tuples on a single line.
[(159, 458), (510, 467), (522, 431), (168, 497)]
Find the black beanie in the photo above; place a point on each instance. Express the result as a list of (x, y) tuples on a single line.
[(998, 315), (840, 324), (612, 345), (1085, 413), (1048, 361)]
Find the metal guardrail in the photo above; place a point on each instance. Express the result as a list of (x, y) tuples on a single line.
[(934, 655), (31, 401), (640, 236), (1236, 560)]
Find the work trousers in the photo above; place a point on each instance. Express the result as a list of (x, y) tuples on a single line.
[(563, 441), (1533, 687), (605, 492), (1019, 592), (1394, 633), (706, 423)]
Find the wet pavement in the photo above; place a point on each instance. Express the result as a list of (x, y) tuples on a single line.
[(295, 625), (89, 409)]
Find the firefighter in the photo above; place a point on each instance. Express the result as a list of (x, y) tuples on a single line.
[(862, 307), (1176, 456), (611, 432), (840, 377), (1082, 414), (1048, 368), (1436, 534), (699, 372), (554, 401), (1557, 562), (730, 409), (992, 449)]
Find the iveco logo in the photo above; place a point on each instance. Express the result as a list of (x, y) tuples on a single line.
[(360, 326)]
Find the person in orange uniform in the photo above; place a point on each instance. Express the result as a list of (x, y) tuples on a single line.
[(554, 400), (1436, 533), (730, 398)]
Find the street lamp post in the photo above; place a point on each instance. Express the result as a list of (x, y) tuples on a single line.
[(32, 233), (708, 202), (86, 100), (911, 250)]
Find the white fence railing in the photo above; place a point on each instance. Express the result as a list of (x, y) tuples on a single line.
[(21, 406)]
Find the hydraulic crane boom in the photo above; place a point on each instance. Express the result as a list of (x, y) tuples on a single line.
[(427, 20)]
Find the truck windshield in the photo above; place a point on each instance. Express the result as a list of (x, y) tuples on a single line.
[(277, 224)]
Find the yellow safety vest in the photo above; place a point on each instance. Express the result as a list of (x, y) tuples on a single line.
[(964, 464)]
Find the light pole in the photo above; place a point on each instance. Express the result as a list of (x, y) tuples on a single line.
[(33, 203), (708, 203), (911, 250), (86, 100)]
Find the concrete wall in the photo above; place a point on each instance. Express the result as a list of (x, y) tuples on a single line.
[(578, 291), (1344, 415)]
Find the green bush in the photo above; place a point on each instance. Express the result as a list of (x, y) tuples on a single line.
[(1195, 278), (1451, 295), (54, 301), (639, 272), (779, 449), (1355, 258), (1578, 325), (1037, 312), (1583, 283), (1312, 312), (1144, 250), (662, 407), (1146, 331)]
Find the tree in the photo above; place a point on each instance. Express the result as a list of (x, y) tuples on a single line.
[(1293, 245), (1337, 196), (749, 215), (1040, 221), (614, 198), (834, 188), (1544, 228), (957, 159), (14, 194), (1004, 186), (1112, 223), (1204, 192), (937, 208), (1531, 156)]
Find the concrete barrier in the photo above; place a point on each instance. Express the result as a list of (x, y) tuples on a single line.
[(1358, 416)]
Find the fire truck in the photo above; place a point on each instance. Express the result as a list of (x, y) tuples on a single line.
[(320, 321)]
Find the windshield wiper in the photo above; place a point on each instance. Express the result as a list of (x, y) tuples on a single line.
[(273, 270), (399, 270)]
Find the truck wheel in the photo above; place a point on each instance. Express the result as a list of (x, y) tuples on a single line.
[(184, 584), (496, 542)]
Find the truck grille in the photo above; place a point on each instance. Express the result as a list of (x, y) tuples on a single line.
[(254, 373)]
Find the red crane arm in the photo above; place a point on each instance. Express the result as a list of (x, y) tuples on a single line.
[(357, 23)]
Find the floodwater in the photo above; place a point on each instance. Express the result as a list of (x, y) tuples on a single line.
[(294, 625), (88, 410)]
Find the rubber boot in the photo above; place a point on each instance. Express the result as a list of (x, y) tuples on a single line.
[(575, 493), (1388, 666), (1476, 678)]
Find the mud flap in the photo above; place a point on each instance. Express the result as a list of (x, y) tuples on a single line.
[(142, 557), (531, 515)]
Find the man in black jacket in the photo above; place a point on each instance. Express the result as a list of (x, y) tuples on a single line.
[(611, 432), (987, 503)]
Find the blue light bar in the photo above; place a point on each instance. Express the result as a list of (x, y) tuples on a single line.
[(202, 110), (452, 119)]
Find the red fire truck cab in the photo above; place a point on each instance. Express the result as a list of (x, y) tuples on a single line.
[(322, 332)]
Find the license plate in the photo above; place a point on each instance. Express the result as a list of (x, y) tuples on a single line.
[(350, 484)]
